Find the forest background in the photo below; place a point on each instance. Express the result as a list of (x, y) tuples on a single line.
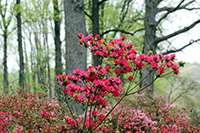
[(38, 40)]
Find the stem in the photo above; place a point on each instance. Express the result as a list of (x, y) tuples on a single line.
[(71, 112), (85, 115), (135, 73), (110, 111), (140, 82), (142, 88), (165, 74), (123, 98)]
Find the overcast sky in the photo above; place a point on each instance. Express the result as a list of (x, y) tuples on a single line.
[(183, 18)]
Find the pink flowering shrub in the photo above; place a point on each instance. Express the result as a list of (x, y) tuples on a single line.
[(168, 117), (127, 119), (93, 90), (93, 87), (26, 112)]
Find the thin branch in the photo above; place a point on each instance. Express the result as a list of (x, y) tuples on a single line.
[(101, 2), (126, 94), (172, 8), (169, 12), (180, 49), (194, 8), (180, 95), (143, 87), (14, 28), (123, 14), (159, 39), (89, 16), (122, 31)]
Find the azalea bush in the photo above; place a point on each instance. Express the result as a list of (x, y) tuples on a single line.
[(168, 117), (28, 112), (100, 95), (94, 87)]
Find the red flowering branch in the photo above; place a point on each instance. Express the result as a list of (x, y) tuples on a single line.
[(100, 81)]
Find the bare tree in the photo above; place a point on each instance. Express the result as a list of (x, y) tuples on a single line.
[(179, 87), (6, 21), (151, 40)]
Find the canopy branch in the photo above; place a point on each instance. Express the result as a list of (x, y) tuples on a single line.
[(168, 9), (122, 31), (89, 16), (169, 12), (160, 39), (180, 49), (101, 2)]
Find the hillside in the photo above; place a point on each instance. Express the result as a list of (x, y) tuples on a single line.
[(191, 70)]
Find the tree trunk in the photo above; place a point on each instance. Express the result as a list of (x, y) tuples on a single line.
[(49, 73), (20, 48), (32, 64), (57, 22), (102, 6), (48, 64), (74, 24), (95, 27), (76, 56), (5, 22), (149, 38), (27, 75), (5, 67)]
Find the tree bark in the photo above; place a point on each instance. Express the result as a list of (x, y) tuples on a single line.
[(48, 64), (76, 55), (33, 68), (20, 47), (5, 66), (57, 22), (26, 75), (49, 72), (95, 27), (149, 38), (74, 24)]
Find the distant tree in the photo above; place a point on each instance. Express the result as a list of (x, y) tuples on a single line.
[(37, 30), (20, 45), (57, 41), (179, 87), (6, 18), (181, 91)]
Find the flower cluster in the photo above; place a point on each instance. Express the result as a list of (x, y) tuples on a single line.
[(128, 119), (147, 115), (95, 85), (25, 112), (123, 58)]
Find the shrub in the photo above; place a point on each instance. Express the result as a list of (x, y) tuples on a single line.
[(93, 89), (28, 112)]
